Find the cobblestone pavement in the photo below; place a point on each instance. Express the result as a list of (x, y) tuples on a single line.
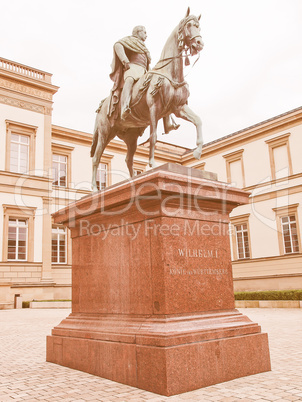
[(26, 376)]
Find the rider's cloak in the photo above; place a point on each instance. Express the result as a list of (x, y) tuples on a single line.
[(133, 44)]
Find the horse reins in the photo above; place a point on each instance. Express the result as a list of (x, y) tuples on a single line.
[(180, 55)]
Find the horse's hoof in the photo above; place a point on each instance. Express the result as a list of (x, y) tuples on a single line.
[(197, 153), (152, 164), (172, 127)]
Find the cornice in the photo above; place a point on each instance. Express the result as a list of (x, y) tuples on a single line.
[(234, 155), (14, 86), (21, 184), (72, 136), (18, 263), (272, 182), (249, 134), (269, 195), (25, 176), (13, 124), (279, 210), (117, 146), (7, 100), (266, 259), (18, 78)]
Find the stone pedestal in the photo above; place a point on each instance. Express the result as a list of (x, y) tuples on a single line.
[(152, 289)]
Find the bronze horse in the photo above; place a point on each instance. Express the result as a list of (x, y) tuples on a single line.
[(160, 92)]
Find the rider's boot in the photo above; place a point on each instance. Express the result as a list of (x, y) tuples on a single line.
[(169, 124), (126, 98)]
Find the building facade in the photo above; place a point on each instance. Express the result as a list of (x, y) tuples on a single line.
[(44, 167), (266, 234)]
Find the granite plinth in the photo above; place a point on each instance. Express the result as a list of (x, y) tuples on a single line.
[(153, 301)]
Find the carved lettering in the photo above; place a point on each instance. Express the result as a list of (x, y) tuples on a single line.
[(198, 271), (197, 253)]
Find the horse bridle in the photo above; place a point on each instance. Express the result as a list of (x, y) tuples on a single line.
[(169, 59)]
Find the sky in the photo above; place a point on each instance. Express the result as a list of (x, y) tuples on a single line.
[(249, 70)]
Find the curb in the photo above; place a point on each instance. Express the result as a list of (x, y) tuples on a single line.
[(50, 304)]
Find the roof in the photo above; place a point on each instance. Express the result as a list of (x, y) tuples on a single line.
[(167, 147)]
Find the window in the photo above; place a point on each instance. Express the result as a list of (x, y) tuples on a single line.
[(240, 238), (280, 159), (18, 233), (139, 167), (61, 164), (17, 239), (19, 153), (290, 235), (235, 168), (236, 173), (101, 178), (58, 245), (104, 173), (20, 147), (59, 167), (199, 166), (243, 249), (288, 229)]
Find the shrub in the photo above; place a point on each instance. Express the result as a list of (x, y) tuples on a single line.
[(54, 300), (270, 295)]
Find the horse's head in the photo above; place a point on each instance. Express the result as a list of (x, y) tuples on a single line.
[(189, 34)]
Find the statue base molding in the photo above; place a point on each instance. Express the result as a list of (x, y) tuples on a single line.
[(153, 301)]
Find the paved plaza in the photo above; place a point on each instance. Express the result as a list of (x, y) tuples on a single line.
[(26, 376)]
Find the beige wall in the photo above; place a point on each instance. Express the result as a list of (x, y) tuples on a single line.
[(295, 148), (36, 202), (24, 117), (266, 269), (213, 163)]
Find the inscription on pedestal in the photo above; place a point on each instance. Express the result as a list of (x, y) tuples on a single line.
[(197, 253), (198, 271), (202, 254)]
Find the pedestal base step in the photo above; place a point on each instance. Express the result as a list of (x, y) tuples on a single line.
[(163, 363)]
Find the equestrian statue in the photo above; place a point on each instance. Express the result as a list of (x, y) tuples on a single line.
[(141, 96)]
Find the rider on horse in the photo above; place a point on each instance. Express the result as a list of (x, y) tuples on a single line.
[(131, 61), (156, 94)]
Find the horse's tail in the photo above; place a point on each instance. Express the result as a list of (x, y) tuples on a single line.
[(96, 131)]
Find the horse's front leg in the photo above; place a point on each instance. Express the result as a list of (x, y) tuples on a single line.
[(153, 133), (104, 137), (187, 114)]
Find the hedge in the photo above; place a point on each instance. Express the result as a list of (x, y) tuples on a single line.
[(26, 304), (270, 295)]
